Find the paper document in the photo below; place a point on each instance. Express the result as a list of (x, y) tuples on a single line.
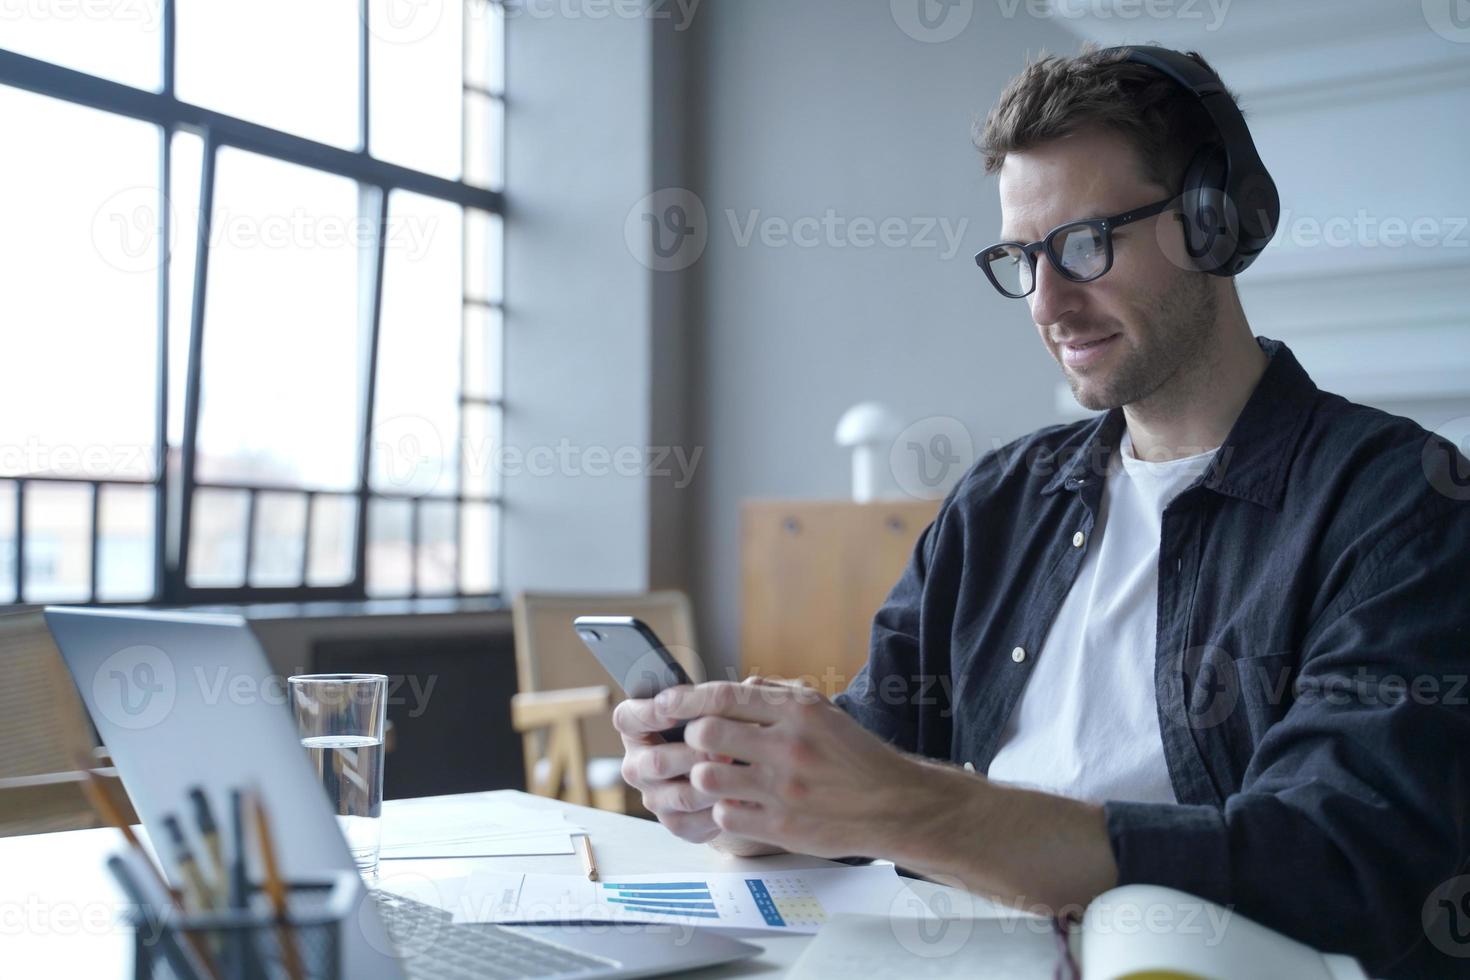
[(779, 901), (1015, 947), (474, 828)]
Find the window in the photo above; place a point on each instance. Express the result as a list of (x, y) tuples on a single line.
[(253, 318)]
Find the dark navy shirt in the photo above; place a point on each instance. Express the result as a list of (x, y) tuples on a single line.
[(1313, 650)]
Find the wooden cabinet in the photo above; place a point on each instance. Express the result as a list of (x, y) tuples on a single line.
[(813, 573)]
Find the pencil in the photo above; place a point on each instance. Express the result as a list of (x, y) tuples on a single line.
[(589, 863), (275, 890), (96, 792)]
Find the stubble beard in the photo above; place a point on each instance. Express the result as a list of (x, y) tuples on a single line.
[(1175, 335)]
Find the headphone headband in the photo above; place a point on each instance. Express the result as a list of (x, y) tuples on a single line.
[(1247, 187)]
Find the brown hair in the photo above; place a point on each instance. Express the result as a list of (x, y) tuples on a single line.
[(1055, 95)]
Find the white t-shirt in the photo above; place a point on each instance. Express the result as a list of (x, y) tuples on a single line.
[(1087, 725)]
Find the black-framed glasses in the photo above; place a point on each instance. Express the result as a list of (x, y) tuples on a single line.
[(1080, 250)]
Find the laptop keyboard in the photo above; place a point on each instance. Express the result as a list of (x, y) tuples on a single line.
[(432, 946)]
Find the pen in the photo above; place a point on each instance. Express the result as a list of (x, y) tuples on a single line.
[(239, 879), (213, 846), (275, 890), (96, 792), (589, 863), (196, 889), (152, 915)]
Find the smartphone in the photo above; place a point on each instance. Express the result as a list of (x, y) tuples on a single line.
[(634, 656)]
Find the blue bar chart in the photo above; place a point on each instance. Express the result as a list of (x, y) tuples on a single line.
[(691, 898)]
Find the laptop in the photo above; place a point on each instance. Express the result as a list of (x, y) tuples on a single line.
[(189, 699)]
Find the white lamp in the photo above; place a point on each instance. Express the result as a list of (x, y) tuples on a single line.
[(868, 429)]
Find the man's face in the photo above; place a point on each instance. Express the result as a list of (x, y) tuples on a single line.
[(1149, 315)]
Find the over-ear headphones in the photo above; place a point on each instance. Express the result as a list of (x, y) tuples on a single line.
[(1228, 199)]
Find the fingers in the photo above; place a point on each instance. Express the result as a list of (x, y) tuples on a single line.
[(697, 828), (730, 739), (654, 763), (729, 782), (676, 796), (761, 703), (641, 717), (740, 818)]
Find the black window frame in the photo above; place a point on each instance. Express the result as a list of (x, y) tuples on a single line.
[(174, 495)]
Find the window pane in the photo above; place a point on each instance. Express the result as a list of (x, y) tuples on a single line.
[(58, 542), (217, 539), (437, 547), (186, 167), (484, 121), (481, 474), (414, 87), (390, 549), (484, 51), (7, 542), (479, 545), (125, 544), (282, 63), (122, 41), (280, 391), (482, 347), (333, 537), (415, 424), (483, 236), (280, 529), (80, 297)]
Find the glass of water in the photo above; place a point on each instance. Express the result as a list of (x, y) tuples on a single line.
[(341, 718)]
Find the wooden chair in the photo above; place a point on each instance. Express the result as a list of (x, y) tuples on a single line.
[(564, 708), (43, 732)]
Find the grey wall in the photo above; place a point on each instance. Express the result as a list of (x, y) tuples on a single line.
[(798, 108), (578, 306)]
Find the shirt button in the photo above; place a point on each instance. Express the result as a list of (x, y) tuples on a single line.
[(1018, 654), (969, 767), (1078, 539)]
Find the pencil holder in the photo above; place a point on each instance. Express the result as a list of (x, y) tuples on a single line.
[(249, 943)]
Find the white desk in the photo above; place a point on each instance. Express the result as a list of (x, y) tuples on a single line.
[(60, 910)]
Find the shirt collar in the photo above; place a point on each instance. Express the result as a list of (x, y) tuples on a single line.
[(1252, 462)]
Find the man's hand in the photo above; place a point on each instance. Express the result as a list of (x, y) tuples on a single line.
[(660, 771), (814, 781)]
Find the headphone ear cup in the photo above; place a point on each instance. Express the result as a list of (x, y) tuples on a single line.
[(1211, 222)]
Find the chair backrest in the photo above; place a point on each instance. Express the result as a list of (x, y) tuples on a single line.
[(44, 730), (550, 656), (43, 725)]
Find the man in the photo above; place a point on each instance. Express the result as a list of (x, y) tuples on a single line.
[(1215, 638)]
